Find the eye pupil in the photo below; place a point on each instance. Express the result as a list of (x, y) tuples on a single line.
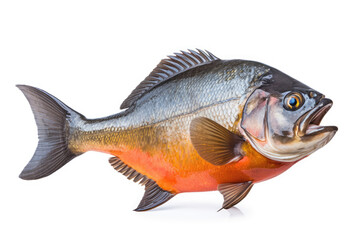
[(293, 101)]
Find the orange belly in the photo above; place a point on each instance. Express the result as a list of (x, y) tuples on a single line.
[(194, 175)]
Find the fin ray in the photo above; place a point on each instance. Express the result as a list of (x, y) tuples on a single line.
[(214, 143), (128, 172), (153, 197), (52, 118), (167, 69), (233, 193)]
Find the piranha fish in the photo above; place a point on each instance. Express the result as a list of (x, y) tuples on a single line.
[(196, 123)]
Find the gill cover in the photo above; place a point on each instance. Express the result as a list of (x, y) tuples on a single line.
[(263, 117), (254, 119)]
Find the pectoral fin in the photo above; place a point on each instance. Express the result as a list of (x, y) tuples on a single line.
[(214, 143), (233, 193)]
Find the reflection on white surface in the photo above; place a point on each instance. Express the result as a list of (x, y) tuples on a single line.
[(235, 212), (193, 207)]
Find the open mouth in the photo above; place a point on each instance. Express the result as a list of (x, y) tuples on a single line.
[(310, 122)]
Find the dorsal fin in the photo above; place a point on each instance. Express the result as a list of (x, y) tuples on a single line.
[(168, 68)]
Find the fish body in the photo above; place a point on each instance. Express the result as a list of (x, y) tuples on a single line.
[(153, 137), (196, 123)]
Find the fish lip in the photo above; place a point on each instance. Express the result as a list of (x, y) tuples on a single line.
[(309, 123)]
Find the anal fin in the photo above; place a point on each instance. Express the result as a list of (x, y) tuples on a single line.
[(233, 193), (128, 172), (153, 197)]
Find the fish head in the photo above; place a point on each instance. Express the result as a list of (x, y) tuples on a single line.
[(281, 118)]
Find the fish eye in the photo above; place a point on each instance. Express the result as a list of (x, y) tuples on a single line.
[(293, 101)]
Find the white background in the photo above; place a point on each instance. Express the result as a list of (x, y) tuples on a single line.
[(91, 54)]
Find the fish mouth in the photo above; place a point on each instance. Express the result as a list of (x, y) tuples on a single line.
[(309, 123)]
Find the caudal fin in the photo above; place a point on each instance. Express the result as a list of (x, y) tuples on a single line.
[(53, 120)]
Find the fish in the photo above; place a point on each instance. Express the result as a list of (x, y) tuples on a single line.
[(196, 123)]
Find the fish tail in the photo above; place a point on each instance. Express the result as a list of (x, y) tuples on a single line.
[(54, 120)]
